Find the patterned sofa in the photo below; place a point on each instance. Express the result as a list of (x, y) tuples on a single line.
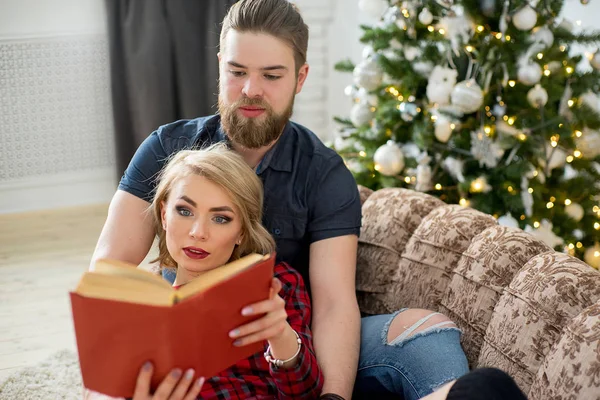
[(522, 307)]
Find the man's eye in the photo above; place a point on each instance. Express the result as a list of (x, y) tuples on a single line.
[(237, 73), (272, 77)]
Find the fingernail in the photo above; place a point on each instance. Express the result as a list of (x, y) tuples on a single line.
[(237, 343), (234, 333), (200, 381), (247, 311), (147, 365), (189, 374), (176, 373)]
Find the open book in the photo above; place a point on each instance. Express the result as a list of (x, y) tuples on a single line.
[(125, 316)]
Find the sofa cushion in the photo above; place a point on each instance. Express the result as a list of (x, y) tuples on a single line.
[(489, 264), (545, 295), (389, 218), (572, 368), (432, 253)]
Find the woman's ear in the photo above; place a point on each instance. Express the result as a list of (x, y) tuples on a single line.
[(239, 241), (163, 218)]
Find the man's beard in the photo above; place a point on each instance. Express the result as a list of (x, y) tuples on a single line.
[(250, 132)]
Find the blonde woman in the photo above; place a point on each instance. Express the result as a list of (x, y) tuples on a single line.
[(207, 211)]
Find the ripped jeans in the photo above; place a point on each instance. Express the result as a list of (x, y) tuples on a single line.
[(410, 366)]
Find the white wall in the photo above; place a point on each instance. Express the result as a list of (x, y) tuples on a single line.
[(56, 132)]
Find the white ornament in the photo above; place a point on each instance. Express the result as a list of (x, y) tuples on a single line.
[(373, 8), (525, 18), (595, 61), (368, 52), (423, 68), (423, 178), (575, 211), (578, 234), (558, 158), (508, 220), (368, 74), (455, 168), (529, 73), (589, 143), (425, 16), (389, 159), (485, 150), (468, 96), (526, 197), (543, 35), (364, 96), (410, 52), (590, 99), (442, 129), (440, 85), (566, 25), (592, 256), (361, 114), (545, 234), (459, 29), (537, 96), (350, 90)]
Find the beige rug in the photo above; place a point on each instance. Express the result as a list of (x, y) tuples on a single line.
[(57, 377)]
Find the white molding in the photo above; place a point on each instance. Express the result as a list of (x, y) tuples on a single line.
[(57, 191)]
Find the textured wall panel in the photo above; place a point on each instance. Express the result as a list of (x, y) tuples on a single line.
[(55, 107)]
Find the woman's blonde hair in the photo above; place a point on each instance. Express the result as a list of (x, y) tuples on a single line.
[(229, 171)]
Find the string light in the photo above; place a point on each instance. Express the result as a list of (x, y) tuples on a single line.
[(452, 126), (569, 159), (536, 173), (499, 35), (540, 56), (597, 226), (571, 246), (377, 167), (596, 209), (512, 83), (536, 224), (430, 28), (507, 38), (510, 189), (362, 153), (407, 179), (579, 245), (511, 121), (442, 31), (554, 140), (577, 154), (547, 72), (469, 49), (522, 217), (578, 134), (438, 186), (480, 28), (571, 102), (434, 118), (530, 190), (549, 205), (487, 130), (567, 202), (464, 202), (569, 70), (522, 137), (552, 198), (563, 48)]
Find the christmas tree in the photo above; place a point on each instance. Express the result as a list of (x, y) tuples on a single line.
[(481, 103)]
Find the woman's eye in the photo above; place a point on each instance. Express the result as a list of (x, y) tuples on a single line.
[(219, 219), (184, 212)]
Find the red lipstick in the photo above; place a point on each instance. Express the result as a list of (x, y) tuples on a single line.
[(195, 253)]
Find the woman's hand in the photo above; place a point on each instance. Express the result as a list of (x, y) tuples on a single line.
[(175, 386), (269, 327)]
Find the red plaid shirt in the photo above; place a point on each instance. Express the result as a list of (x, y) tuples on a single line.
[(254, 378)]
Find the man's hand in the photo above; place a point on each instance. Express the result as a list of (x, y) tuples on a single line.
[(175, 386)]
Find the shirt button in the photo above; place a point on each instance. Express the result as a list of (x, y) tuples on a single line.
[(278, 231)]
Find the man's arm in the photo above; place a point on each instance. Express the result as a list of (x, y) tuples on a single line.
[(336, 317), (128, 232)]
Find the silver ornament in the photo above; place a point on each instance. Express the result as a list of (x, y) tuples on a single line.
[(468, 96), (537, 96), (361, 114), (485, 150), (525, 18), (408, 111), (368, 74), (530, 73), (389, 159)]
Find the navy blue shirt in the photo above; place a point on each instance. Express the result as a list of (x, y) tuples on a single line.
[(309, 193)]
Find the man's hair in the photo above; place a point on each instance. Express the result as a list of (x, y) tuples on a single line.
[(278, 18), (228, 170)]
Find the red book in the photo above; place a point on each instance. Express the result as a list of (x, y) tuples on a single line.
[(125, 316)]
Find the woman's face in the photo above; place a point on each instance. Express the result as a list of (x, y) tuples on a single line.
[(202, 226)]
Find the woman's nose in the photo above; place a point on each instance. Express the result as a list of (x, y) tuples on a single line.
[(199, 231)]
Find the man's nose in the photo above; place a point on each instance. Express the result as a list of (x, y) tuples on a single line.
[(253, 87)]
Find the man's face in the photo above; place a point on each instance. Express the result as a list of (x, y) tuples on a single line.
[(257, 85)]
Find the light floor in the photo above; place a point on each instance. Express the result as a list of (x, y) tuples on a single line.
[(42, 256)]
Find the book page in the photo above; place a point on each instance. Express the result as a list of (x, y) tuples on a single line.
[(213, 277), (119, 288)]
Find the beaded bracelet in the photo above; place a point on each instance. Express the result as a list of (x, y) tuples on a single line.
[(279, 363)]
